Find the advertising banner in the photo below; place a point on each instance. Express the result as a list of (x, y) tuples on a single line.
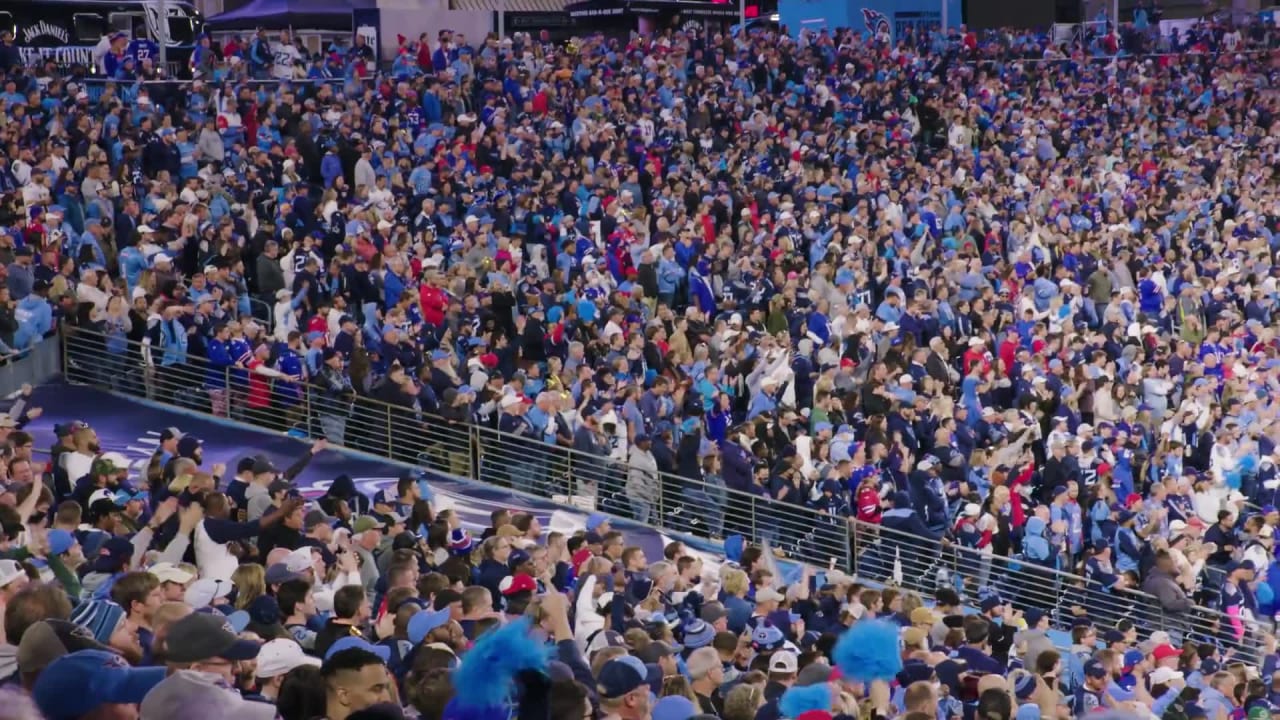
[(869, 17)]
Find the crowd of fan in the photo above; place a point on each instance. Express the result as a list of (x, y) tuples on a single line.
[(220, 594), (973, 288)]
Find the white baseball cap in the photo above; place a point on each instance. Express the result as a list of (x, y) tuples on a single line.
[(168, 572), (784, 661), (10, 570), (281, 655), (1164, 676), (204, 591), (103, 494), (299, 559), (769, 595)]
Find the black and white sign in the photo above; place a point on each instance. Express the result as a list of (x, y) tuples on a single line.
[(46, 31), (60, 55)]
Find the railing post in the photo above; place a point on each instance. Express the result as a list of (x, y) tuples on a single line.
[(309, 422), (391, 453), (472, 444), (660, 513), (851, 545)]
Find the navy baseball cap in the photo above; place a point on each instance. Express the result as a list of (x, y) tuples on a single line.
[(77, 684), (1094, 669), (620, 676)]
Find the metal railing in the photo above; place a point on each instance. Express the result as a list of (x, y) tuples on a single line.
[(32, 366), (95, 86), (895, 558), (402, 431)]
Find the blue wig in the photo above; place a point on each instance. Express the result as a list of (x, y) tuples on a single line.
[(482, 684), (869, 651), (799, 700)]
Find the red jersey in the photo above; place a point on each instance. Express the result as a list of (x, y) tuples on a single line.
[(259, 396)]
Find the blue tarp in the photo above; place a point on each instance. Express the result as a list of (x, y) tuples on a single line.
[(283, 14)]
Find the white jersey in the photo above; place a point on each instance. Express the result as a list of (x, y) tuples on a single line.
[(285, 57)]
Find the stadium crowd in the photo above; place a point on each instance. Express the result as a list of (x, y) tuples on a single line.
[(971, 289)]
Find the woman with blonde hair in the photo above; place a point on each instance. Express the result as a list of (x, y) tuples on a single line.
[(743, 702), (679, 685), (251, 583)]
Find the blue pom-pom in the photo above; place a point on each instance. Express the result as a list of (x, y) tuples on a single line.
[(799, 700), (483, 680), (869, 651), (733, 547)]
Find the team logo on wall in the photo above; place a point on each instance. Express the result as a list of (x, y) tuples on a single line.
[(875, 21)]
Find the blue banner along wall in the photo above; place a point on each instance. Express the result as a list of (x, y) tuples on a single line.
[(132, 428), (867, 16)]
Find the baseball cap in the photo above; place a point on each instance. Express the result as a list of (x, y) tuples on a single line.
[(655, 651), (280, 573), (365, 523), (674, 707), (261, 465), (1095, 669), (424, 621), (785, 662), (620, 676), (281, 655), (299, 560), (78, 683), (170, 433), (168, 572), (203, 636), (348, 643), (1164, 652), (177, 694), (768, 595), (48, 640), (60, 541), (10, 570), (517, 558), (204, 591), (923, 615), (1164, 676), (712, 612), (513, 584)]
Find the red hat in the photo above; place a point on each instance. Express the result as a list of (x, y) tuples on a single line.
[(1132, 499), (847, 362), (1164, 652), (489, 360), (513, 584)]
